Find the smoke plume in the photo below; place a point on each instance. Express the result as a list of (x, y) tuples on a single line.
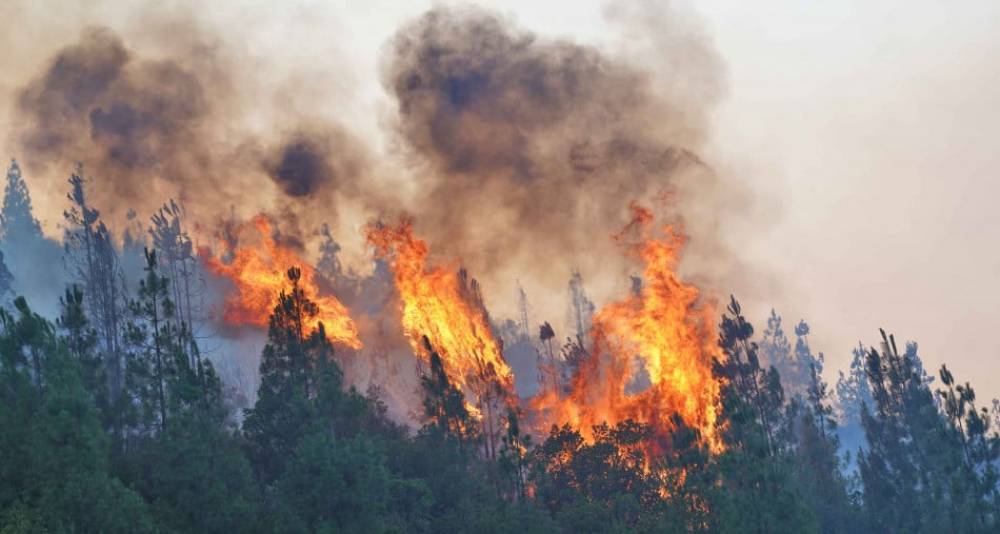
[(532, 148), (177, 120), (127, 119)]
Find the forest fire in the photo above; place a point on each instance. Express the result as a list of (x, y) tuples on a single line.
[(662, 333), (258, 272), (443, 306), (649, 357), (331, 364)]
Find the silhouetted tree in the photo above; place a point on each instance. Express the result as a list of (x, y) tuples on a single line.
[(853, 393), (980, 444), (93, 261), (756, 493), (29, 262), (581, 307), (909, 466), (6, 279), (17, 222), (445, 413), (818, 467), (176, 254), (776, 350)]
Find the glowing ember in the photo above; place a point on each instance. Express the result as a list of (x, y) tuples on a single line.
[(259, 274), (663, 330), (439, 305)]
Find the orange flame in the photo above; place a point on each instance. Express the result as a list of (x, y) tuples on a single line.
[(259, 276), (664, 330), (438, 304)]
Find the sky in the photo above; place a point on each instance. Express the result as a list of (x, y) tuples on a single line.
[(873, 127), (867, 133)]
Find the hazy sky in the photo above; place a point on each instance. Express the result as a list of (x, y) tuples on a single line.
[(874, 127), (867, 131)]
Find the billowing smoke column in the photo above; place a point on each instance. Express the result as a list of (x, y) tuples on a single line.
[(534, 146), (150, 128), (125, 118), (515, 147)]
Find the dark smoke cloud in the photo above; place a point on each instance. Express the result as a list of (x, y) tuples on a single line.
[(312, 162), (167, 123), (126, 118), (300, 169), (536, 146), (479, 96)]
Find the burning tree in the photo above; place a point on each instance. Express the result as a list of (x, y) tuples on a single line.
[(444, 404), (295, 361), (258, 272), (663, 334), (444, 308)]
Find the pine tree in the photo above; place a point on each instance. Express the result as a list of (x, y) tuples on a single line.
[(94, 263), (30, 263), (329, 263), (286, 407), (17, 222), (853, 393), (907, 467), (81, 341), (980, 445), (805, 363), (756, 493), (55, 473), (513, 456), (775, 348), (758, 388), (6, 279), (181, 453), (818, 467), (318, 450), (793, 365), (445, 413), (152, 339), (176, 253)]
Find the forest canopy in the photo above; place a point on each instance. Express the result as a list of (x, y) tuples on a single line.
[(114, 419)]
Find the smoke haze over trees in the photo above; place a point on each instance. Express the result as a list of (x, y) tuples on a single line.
[(242, 319)]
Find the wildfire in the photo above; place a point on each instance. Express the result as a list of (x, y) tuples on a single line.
[(259, 276), (437, 303), (649, 358), (663, 330)]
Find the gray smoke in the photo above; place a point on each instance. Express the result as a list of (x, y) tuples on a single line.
[(153, 126), (126, 119), (535, 147), (316, 161)]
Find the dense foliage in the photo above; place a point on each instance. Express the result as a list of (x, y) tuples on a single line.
[(111, 420)]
